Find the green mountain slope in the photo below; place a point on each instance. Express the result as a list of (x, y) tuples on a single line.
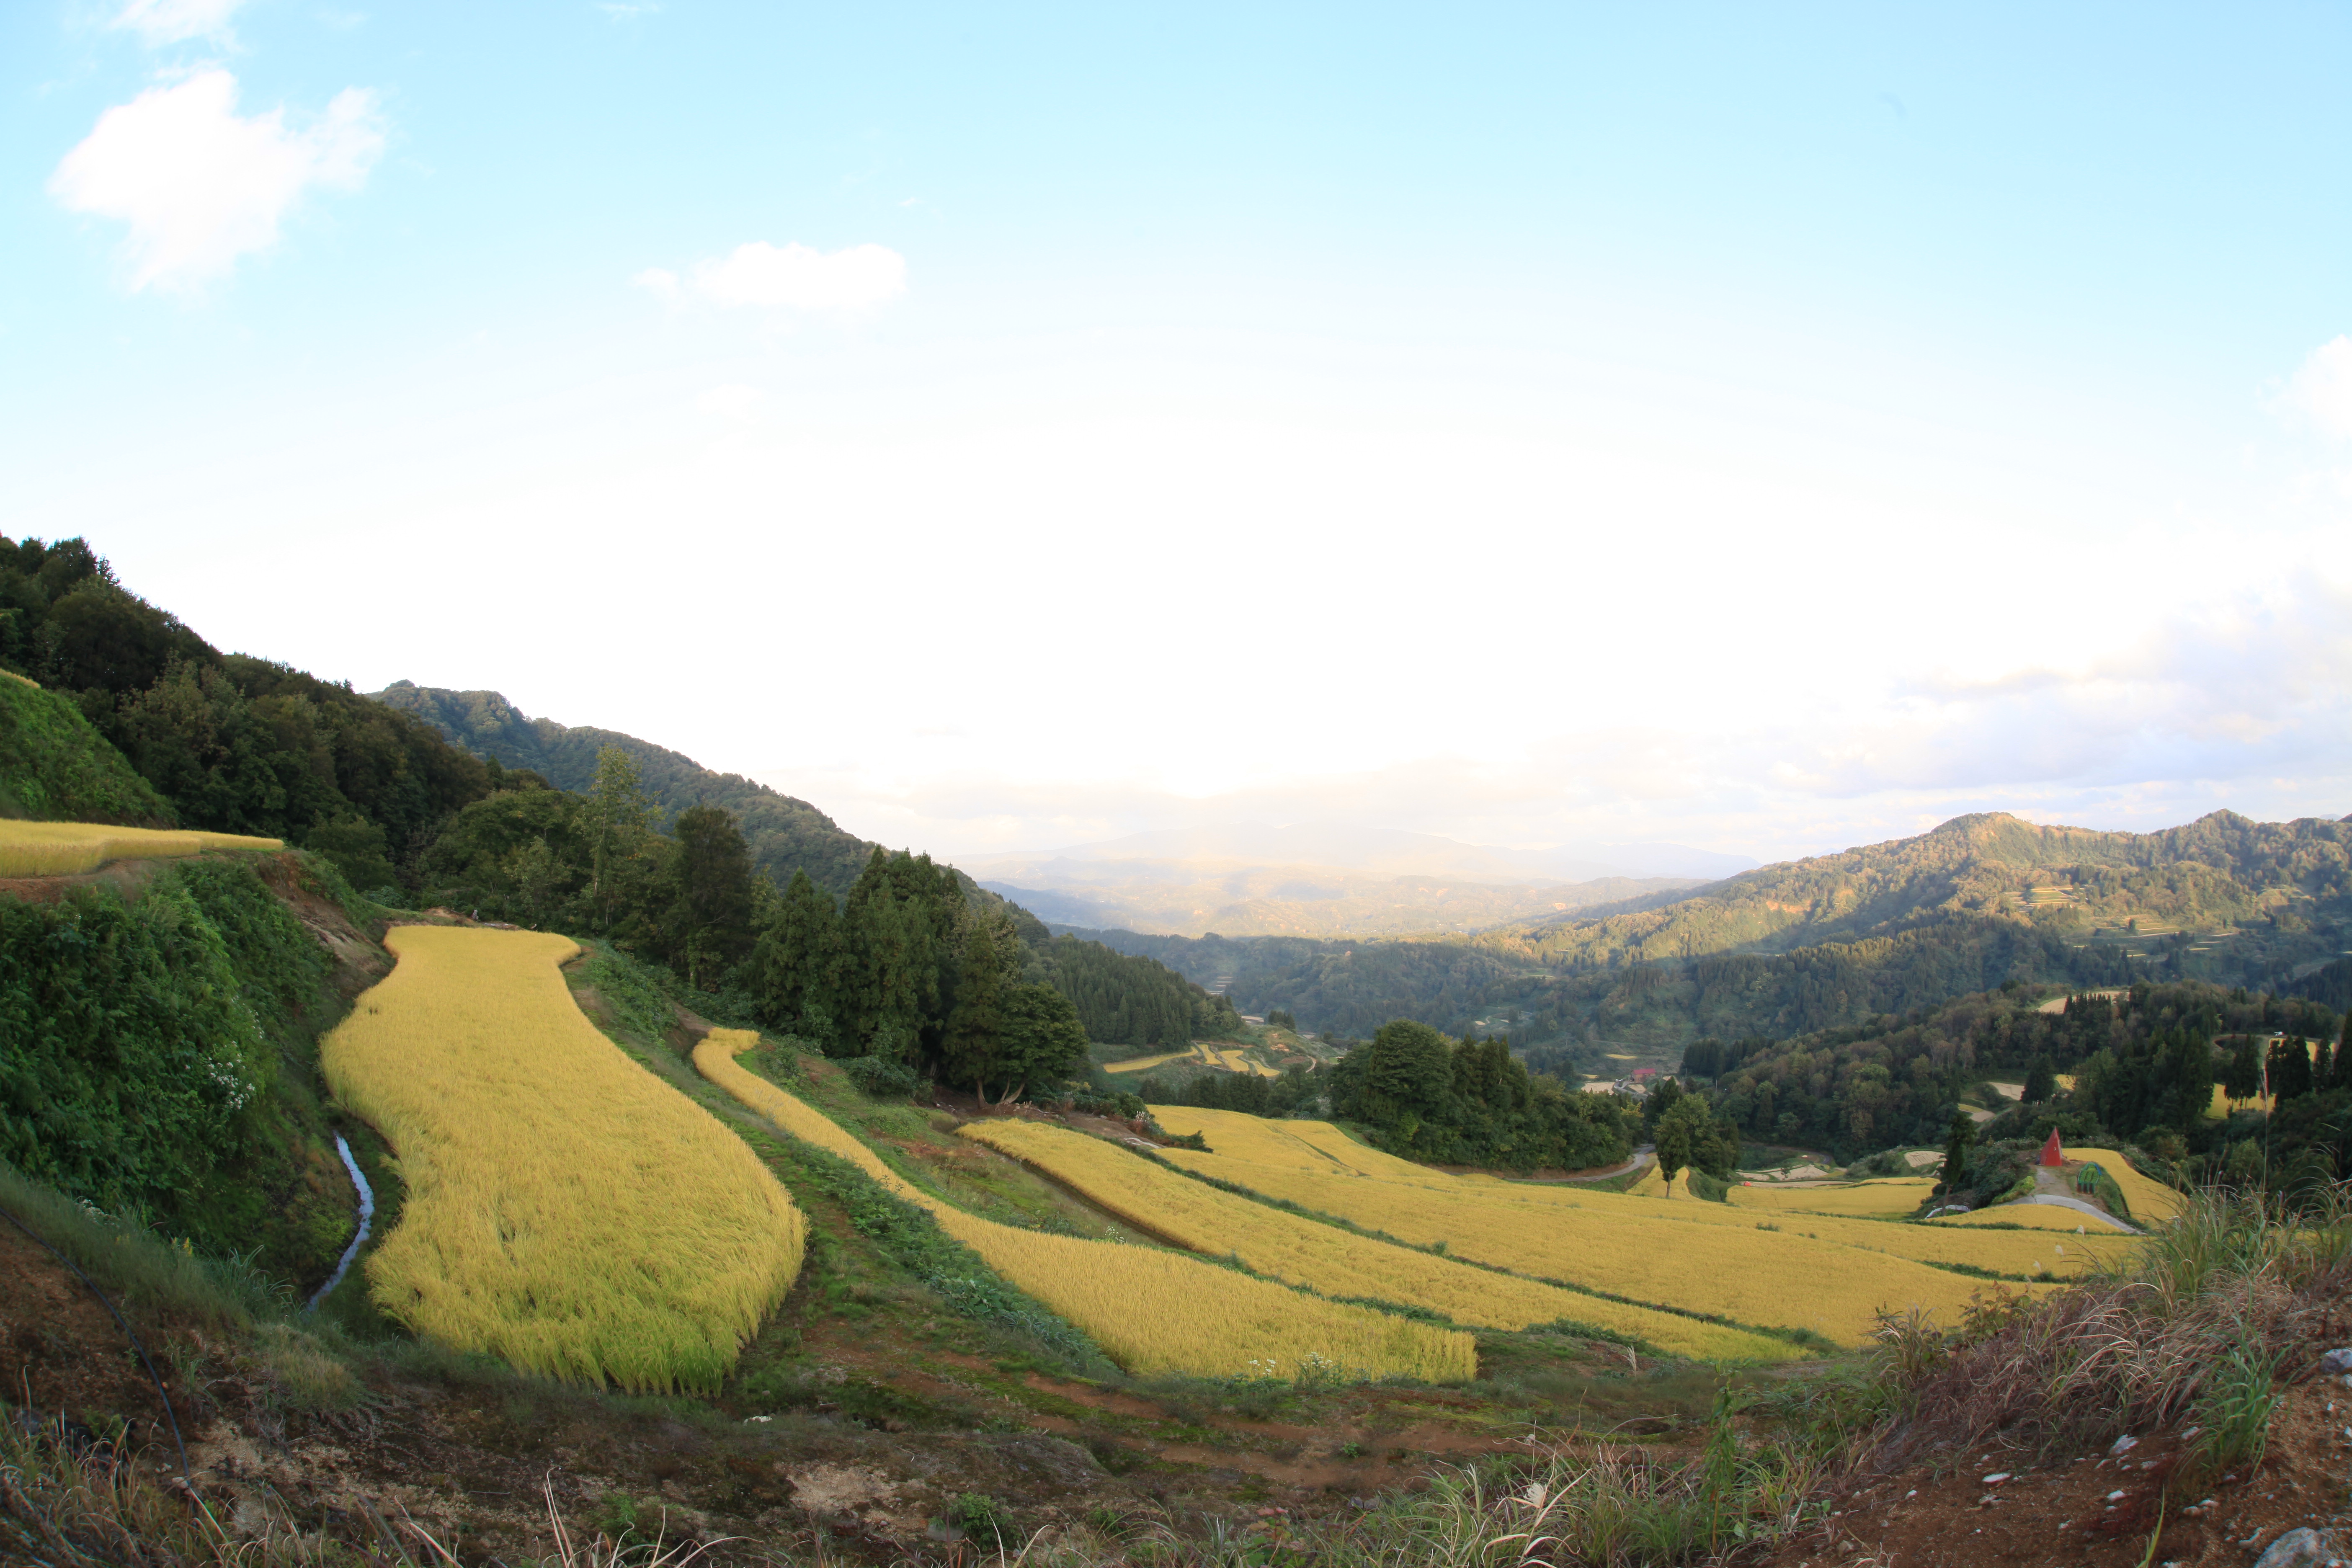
[(1835, 940), (784, 835), (2211, 875), (55, 767)]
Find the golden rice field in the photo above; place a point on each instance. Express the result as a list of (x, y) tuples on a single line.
[(1827, 1273), (2034, 1216), (1887, 1198), (1299, 1143), (567, 1210), (2150, 1200), (1152, 1311), (1333, 1262), (69, 848), (1145, 1064), (1923, 1244)]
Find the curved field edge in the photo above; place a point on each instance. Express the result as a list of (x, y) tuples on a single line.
[(70, 848), (567, 1211), (1331, 1261), (1151, 1312)]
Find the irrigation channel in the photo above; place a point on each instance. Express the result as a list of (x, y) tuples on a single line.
[(367, 1218)]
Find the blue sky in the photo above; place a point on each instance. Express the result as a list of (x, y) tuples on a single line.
[(1763, 429)]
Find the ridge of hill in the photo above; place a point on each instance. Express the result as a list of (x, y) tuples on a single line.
[(1834, 940), (784, 835), (55, 766), (2207, 875)]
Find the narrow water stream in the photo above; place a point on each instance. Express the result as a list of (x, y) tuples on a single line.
[(367, 1218)]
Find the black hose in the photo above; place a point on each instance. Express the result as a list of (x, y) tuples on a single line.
[(160, 1392)]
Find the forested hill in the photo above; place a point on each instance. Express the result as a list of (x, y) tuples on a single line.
[(2147, 1058), (224, 742), (2220, 871), (1837, 939), (784, 835)]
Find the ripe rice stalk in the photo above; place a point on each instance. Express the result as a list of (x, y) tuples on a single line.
[(1994, 1251), (1648, 1252), (1333, 1262), (567, 1210), (1153, 1311), (70, 848)]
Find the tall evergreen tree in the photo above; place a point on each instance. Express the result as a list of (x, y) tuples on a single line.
[(1958, 1139), (2241, 1079), (797, 965), (973, 1049), (2041, 1082), (2289, 1068), (707, 928)]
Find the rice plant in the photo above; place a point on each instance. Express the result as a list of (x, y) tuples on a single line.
[(1334, 1262), (70, 849), (567, 1210), (1153, 1311)]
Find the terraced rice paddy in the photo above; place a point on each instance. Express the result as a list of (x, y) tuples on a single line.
[(70, 849), (1333, 1262), (1145, 1064), (567, 1211), (1152, 1311), (2150, 1201), (2032, 1217), (1890, 1198), (1830, 1274)]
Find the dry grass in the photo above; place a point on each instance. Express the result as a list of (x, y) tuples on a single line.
[(567, 1210), (1333, 1262), (70, 849), (2209, 1311), (1151, 1310)]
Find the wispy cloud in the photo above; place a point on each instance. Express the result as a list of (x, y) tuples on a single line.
[(161, 22), (200, 186), (2321, 390), (789, 277), (2243, 705)]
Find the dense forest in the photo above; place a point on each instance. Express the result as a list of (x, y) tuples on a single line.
[(1126, 1000), (2143, 1065), (120, 713)]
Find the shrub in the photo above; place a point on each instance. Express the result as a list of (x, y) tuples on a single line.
[(880, 1077)]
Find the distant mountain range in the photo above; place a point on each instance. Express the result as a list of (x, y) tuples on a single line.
[(1247, 879), (1370, 851), (1836, 939)]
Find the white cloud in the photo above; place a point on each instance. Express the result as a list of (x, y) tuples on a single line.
[(658, 281), (2322, 390), (731, 402), (160, 22), (801, 279), (200, 186)]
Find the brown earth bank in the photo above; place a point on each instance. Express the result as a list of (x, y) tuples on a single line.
[(473, 1455), (2137, 1504)]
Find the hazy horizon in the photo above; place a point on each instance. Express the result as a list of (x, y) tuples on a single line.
[(1759, 433)]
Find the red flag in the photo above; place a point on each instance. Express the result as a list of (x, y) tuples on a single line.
[(2051, 1154)]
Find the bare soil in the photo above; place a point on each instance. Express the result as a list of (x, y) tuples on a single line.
[(2149, 1505)]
